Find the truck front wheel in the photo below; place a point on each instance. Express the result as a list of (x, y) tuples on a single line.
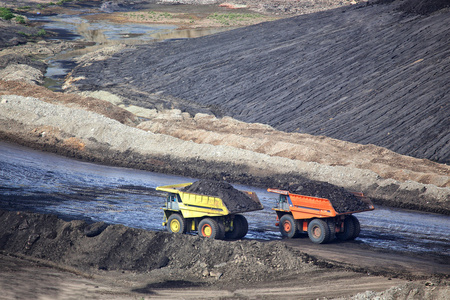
[(208, 228), (176, 224), (288, 226), (318, 231)]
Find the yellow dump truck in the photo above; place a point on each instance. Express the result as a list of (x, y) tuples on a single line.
[(215, 216)]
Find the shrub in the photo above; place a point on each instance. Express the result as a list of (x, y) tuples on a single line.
[(5, 13), (41, 32), (20, 19)]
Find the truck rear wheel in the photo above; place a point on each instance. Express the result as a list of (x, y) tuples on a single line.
[(288, 226), (332, 228), (349, 229), (221, 233), (209, 228), (318, 231), (176, 224), (240, 228), (356, 227)]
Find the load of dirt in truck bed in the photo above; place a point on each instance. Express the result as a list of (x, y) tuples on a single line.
[(234, 200), (342, 200)]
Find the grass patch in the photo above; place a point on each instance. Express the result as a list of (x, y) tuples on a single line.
[(41, 32), (61, 2), (20, 20), (215, 19), (23, 33), (234, 18), (6, 14)]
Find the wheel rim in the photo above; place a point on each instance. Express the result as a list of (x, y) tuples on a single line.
[(317, 232), (206, 230), (175, 226), (287, 226)]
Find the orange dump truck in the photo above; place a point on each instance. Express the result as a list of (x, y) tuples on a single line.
[(316, 216)]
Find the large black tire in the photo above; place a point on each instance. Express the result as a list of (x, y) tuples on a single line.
[(318, 231), (243, 225), (356, 227), (240, 228), (221, 233), (288, 226), (349, 229), (209, 228), (332, 228), (176, 224)]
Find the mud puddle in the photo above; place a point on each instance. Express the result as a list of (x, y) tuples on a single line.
[(46, 183)]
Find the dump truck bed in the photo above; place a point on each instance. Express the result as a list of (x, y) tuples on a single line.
[(211, 204), (307, 207)]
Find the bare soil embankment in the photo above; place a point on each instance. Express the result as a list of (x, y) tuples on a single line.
[(368, 74), (95, 130), (116, 262)]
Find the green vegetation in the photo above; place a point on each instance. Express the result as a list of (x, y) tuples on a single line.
[(234, 18), (159, 15), (150, 15), (60, 2), (6, 14), (41, 32), (20, 20)]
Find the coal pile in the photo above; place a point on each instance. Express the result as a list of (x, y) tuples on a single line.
[(342, 200), (423, 7), (336, 73), (235, 200)]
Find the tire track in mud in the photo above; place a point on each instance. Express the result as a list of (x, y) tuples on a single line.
[(369, 75)]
